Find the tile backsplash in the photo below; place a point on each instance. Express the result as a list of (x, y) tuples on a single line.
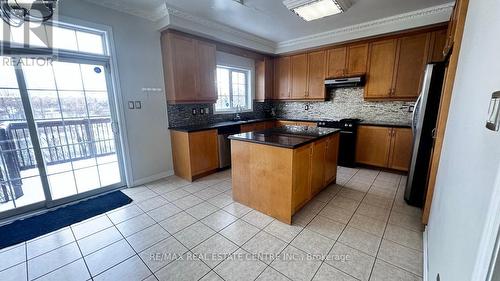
[(181, 114), (347, 103), (342, 103)]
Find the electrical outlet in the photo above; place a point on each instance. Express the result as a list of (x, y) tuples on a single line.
[(193, 111), (202, 111), (306, 107), (207, 110), (411, 108)]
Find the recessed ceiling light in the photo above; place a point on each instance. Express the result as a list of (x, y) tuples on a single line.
[(315, 9)]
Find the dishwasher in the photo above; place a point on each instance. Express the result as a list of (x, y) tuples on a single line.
[(225, 144)]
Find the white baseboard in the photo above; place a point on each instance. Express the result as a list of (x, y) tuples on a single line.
[(426, 258), (152, 178)]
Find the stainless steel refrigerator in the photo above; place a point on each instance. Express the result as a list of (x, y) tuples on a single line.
[(423, 126)]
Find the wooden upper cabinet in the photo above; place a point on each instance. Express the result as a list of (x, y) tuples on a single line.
[(282, 78), (337, 62), (316, 75), (264, 72), (410, 64), (438, 42), (299, 76), (347, 61), (206, 71), (180, 64), (401, 149), (357, 56), (381, 61), (189, 68), (373, 145), (396, 67)]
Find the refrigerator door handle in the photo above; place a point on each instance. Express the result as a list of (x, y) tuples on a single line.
[(417, 104)]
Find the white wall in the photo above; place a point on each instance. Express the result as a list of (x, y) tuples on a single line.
[(138, 56), (471, 153)]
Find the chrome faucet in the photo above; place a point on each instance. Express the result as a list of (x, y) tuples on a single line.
[(237, 117)]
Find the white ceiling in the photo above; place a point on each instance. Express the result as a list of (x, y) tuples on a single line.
[(268, 24), (271, 20)]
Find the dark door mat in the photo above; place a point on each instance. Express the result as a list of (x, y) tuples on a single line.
[(32, 227)]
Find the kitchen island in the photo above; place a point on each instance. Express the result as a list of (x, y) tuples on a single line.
[(277, 171)]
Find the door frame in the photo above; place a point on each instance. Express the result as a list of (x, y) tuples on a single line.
[(64, 56), (489, 247), (444, 107)]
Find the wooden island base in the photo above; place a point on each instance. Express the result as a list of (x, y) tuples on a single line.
[(278, 181)]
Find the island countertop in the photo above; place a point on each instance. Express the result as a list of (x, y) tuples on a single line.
[(286, 136)]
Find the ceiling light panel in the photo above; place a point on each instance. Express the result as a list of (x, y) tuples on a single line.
[(315, 9)]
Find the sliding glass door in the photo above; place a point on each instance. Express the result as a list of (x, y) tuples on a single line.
[(20, 182), (66, 146)]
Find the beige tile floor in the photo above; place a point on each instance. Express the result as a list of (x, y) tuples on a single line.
[(357, 229)]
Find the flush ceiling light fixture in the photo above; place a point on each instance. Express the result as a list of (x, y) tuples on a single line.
[(315, 9)]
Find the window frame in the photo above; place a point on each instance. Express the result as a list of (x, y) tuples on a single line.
[(64, 23), (248, 96)]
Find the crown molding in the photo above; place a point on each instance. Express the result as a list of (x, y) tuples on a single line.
[(166, 16), (183, 21), (428, 16), (158, 13)]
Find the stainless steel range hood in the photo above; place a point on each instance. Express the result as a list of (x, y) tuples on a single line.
[(356, 81)]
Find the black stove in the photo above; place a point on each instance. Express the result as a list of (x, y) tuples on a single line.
[(347, 144)]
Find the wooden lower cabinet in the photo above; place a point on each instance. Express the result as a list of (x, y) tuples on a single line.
[(301, 174), (331, 157), (401, 149), (247, 128), (258, 126), (318, 156), (281, 123), (279, 181), (384, 147), (194, 154), (373, 145)]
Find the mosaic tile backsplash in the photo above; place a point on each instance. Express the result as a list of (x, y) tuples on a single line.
[(342, 103), (347, 103), (181, 114)]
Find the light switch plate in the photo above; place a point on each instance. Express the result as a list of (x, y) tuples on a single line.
[(138, 104), (131, 105), (493, 122)]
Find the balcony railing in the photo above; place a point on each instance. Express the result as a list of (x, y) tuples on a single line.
[(60, 142)]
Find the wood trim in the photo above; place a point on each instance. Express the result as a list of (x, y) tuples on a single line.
[(444, 107), (387, 36)]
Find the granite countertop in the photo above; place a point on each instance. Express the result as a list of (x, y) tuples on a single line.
[(286, 136), (217, 125), (195, 128)]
